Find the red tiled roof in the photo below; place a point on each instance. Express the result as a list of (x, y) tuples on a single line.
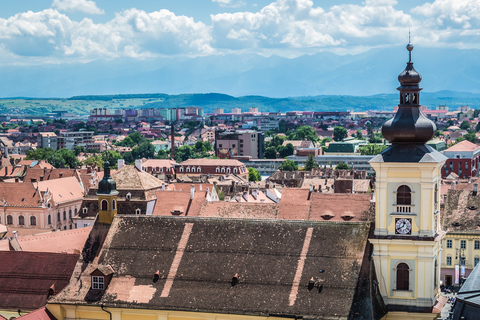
[(39, 314), (27, 276), (464, 145), (212, 162), (20, 194)]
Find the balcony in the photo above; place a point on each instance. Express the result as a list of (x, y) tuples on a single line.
[(403, 208)]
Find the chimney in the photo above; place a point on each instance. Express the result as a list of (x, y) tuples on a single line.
[(475, 189), (89, 170), (120, 163), (310, 192), (200, 187), (469, 179), (14, 234), (138, 164), (453, 185), (192, 191), (60, 174)]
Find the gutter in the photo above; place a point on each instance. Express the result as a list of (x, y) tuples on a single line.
[(101, 306)]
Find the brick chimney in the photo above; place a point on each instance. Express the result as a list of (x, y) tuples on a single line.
[(121, 163), (138, 164)]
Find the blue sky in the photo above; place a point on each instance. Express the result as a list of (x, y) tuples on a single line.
[(65, 31)]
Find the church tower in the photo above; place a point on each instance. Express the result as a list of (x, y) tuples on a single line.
[(107, 197), (407, 236)]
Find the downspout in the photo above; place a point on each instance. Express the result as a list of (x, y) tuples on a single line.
[(101, 306)]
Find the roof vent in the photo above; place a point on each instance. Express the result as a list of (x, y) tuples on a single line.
[(235, 280), (347, 217), (472, 208), (456, 224), (327, 216), (156, 276)]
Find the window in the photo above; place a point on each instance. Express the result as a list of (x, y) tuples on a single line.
[(49, 219), (404, 195), (9, 219), (223, 170), (403, 276), (114, 204), (475, 261), (449, 244), (477, 245), (70, 214), (188, 169), (217, 170), (193, 169), (58, 216), (21, 220), (181, 169), (235, 170), (449, 261), (104, 205), (98, 283), (33, 221), (64, 215), (199, 169), (76, 211), (228, 170), (138, 211), (463, 244)]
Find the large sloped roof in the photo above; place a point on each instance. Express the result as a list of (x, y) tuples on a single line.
[(274, 261)]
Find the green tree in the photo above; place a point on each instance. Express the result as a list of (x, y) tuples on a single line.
[(325, 140), (342, 166), (310, 163), (286, 151), (372, 149), (39, 154), (470, 137), (56, 160), (359, 134), (254, 175), (112, 157), (183, 153), (305, 133), (94, 160), (277, 141), (376, 138), (270, 153), (78, 149), (289, 165), (465, 125), (145, 150), (339, 133), (69, 158), (162, 154)]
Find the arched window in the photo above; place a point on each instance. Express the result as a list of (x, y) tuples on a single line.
[(403, 276), (404, 195), (104, 205), (21, 220), (76, 211), (188, 169), (193, 169), (64, 215), (138, 211), (58, 216), (217, 170), (223, 170), (199, 169), (70, 214), (228, 170), (33, 221), (181, 169), (49, 219), (9, 219), (235, 170), (114, 204)]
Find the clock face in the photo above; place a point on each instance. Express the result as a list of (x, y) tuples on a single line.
[(403, 226)]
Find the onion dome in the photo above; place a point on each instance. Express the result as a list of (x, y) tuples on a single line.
[(107, 185), (409, 124)]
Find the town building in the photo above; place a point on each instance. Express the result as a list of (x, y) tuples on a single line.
[(47, 140), (212, 167), (463, 160), (249, 143), (355, 161)]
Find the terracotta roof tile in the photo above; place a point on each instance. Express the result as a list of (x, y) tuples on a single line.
[(20, 194), (62, 190), (294, 204), (39, 314), (464, 145)]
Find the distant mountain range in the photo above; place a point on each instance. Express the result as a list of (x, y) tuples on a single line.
[(370, 73)]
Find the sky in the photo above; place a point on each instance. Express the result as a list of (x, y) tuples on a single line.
[(34, 32)]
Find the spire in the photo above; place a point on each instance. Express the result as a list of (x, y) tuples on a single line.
[(409, 124), (107, 185)]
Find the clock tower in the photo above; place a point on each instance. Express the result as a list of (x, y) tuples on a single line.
[(407, 236)]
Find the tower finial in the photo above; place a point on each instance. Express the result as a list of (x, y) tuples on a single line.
[(409, 47)]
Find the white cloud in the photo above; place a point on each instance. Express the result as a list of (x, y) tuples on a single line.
[(85, 6), (230, 3)]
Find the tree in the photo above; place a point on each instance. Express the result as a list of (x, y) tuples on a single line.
[(325, 140), (145, 150), (112, 157), (56, 160), (372, 149), (69, 158), (465, 125), (78, 149), (339, 133), (470, 137), (310, 163), (289, 165), (359, 134), (183, 153), (376, 138), (95, 160), (342, 166), (286, 151), (162, 154), (254, 175), (305, 133), (276, 141), (39, 154), (270, 153)]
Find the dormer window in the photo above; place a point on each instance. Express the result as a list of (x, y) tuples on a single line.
[(128, 196), (98, 283), (138, 211)]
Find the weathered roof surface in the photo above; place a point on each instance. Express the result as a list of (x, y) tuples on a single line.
[(62, 190), (467, 305), (50, 174), (294, 204), (27, 276), (462, 211), (129, 177), (39, 314), (341, 207), (222, 209), (20, 194), (179, 201), (67, 241), (158, 162), (274, 261)]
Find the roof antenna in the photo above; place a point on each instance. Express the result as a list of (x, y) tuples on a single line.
[(409, 47)]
